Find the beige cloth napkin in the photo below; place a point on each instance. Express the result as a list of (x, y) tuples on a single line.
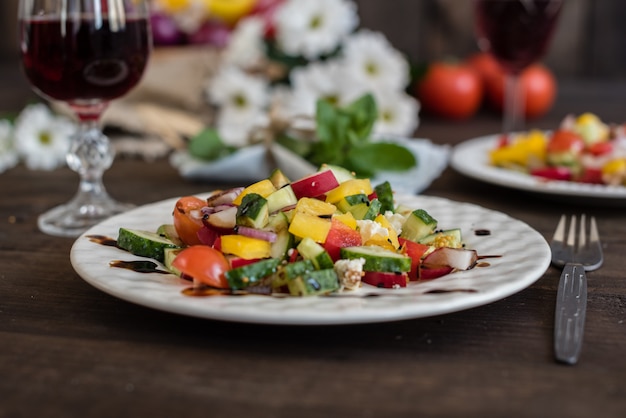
[(169, 104)]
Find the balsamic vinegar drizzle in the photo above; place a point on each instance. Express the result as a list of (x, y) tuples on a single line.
[(145, 266)]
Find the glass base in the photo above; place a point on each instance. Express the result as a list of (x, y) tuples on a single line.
[(77, 216)]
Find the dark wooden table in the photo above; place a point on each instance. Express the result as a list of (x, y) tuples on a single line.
[(68, 349)]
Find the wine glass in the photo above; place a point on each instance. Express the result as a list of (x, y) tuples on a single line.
[(517, 33), (84, 53)]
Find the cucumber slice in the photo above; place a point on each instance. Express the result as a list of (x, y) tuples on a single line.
[(448, 238), (168, 231), (349, 202), (253, 211), (316, 282), (279, 223), (378, 258), (278, 178), (417, 225), (169, 254), (384, 193), (341, 174), (281, 198), (250, 274), (144, 243), (311, 250), (366, 211)]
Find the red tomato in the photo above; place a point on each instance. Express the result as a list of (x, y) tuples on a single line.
[(340, 235), (450, 90), (537, 83), (415, 251), (565, 141), (600, 148), (485, 65), (187, 220), (204, 264)]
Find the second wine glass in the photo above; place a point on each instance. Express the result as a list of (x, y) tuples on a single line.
[(84, 53), (517, 33)]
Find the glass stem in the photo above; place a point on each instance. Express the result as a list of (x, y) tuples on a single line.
[(514, 104), (90, 156)]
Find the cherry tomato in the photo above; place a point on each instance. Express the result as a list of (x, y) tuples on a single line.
[(537, 83), (485, 65), (450, 90), (187, 219), (600, 148), (565, 141), (204, 264)]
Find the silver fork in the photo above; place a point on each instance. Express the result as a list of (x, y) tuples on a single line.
[(576, 255)]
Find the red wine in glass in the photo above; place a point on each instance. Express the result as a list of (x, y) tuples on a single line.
[(94, 63), (517, 33), (84, 53)]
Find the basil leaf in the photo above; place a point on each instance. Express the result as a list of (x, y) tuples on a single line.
[(207, 145), (375, 156), (363, 113)]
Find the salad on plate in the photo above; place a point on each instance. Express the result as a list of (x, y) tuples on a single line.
[(325, 233), (583, 149)]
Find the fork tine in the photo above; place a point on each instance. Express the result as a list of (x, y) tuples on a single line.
[(582, 235), (594, 235), (571, 235), (559, 233)]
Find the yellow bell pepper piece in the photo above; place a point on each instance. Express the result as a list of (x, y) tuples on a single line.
[(614, 172), (346, 218), (306, 225), (245, 247), (263, 188), (349, 188), (392, 238), (315, 207), (591, 128), (525, 150)]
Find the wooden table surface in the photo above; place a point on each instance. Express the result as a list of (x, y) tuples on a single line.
[(68, 349)]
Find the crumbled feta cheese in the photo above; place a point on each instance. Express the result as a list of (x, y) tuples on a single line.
[(396, 220), (350, 272), (368, 229)]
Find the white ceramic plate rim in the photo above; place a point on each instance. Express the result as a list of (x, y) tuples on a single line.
[(471, 158), (524, 257)]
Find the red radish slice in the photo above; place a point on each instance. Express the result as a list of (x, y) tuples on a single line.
[(387, 280), (456, 258), (429, 273), (225, 219), (315, 185), (225, 197)]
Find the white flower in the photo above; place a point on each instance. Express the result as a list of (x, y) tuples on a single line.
[(232, 87), (235, 126), (312, 28), (321, 80), (241, 99), (397, 113), (41, 138), (370, 58), (8, 154), (245, 47)]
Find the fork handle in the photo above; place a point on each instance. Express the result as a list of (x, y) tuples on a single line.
[(569, 318)]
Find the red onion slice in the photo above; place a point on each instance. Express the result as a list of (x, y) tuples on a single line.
[(268, 236)]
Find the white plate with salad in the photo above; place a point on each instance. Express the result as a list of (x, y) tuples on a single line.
[(471, 158), (516, 256)]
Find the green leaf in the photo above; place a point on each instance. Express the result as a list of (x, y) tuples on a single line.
[(297, 146), (369, 158), (326, 118), (363, 113), (208, 145)]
